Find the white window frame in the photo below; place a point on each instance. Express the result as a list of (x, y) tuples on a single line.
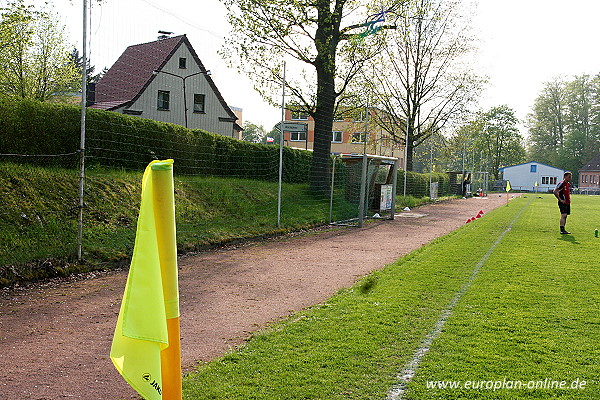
[(299, 116), (203, 103), (160, 100), (361, 137), (361, 116), (296, 136), (334, 134)]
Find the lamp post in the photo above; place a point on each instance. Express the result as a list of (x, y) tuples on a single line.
[(183, 78)]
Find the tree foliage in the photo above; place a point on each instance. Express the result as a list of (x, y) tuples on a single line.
[(34, 61), (488, 142), (564, 125), (89, 69), (321, 36), (421, 80), (253, 133)]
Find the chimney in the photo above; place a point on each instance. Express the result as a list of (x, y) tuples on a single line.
[(164, 35)]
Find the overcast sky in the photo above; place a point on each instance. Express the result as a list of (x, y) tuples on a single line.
[(524, 43)]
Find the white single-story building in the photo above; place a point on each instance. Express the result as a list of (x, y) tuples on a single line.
[(523, 177)]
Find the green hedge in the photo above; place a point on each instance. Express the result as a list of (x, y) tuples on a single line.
[(122, 141), (128, 142), (40, 129), (418, 184)]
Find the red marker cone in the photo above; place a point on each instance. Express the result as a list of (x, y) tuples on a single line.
[(478, 216), (469, 220)]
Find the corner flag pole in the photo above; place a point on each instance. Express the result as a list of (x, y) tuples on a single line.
[(146, 344), (164, 212)]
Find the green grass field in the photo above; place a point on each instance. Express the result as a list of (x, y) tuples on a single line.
[(531, 314)]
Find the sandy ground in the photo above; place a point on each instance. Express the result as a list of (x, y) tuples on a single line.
[(55, 336)]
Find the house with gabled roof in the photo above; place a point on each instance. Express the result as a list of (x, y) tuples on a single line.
[(165, 81), (532, 176), (589, 176)]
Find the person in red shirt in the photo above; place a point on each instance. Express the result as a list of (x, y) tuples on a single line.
[(563, 193)]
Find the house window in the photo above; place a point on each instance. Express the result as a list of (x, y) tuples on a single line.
[(548, 180), (298, 136), (359, 117), (300, 115), (359, 137), (163, 100), (199, 102), (336, 136), (533, 168), (182, 62)]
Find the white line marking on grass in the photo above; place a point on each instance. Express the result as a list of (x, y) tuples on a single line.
[(406, 375)]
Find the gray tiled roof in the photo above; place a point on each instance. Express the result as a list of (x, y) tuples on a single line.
[(131, 73), (593, 165)]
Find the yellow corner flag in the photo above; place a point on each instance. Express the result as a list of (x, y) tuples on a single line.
[(146, 347), (508, 186)]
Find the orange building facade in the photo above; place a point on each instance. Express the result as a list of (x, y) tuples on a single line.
[(348, 135)]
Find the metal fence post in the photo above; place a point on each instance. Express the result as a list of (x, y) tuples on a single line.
[(281, 150), (331, 192), (82, 139), (394, 187), (363, 183)]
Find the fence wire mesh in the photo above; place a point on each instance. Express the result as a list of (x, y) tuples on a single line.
[(225, 188)]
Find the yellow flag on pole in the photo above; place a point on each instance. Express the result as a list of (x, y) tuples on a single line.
[(508, 186), (146, 347)]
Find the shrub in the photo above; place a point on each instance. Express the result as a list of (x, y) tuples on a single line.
[(418, 184), (122, 141)]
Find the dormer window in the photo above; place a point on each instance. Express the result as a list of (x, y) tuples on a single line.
[(182, 62)]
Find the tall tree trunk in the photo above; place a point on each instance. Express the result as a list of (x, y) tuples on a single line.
[(410, 141), (320, 169), (410, 149), (327, 38)]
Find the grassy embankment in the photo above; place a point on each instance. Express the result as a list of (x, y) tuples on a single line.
[(39, 210), (530, 314)]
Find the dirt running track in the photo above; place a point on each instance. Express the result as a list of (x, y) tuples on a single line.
[(55, 337)]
